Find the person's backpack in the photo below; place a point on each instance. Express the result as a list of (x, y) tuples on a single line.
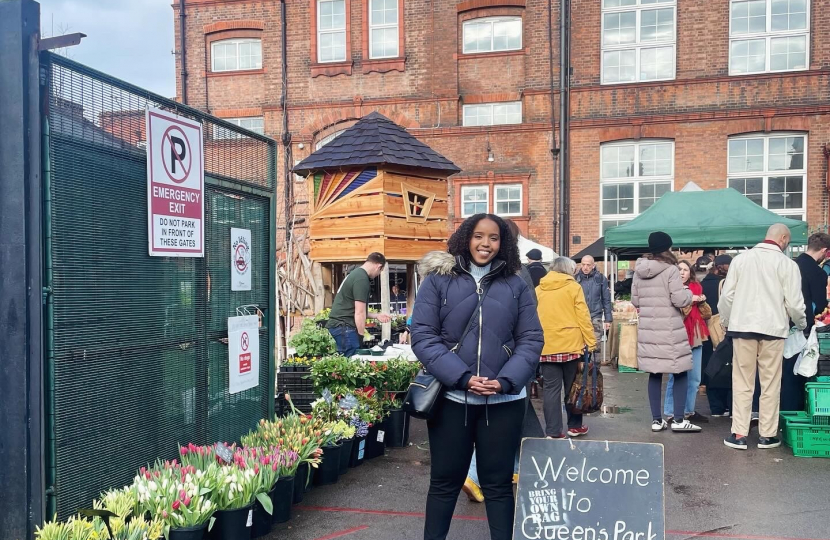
[(586, 393)]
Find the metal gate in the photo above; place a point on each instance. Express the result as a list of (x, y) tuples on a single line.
[(136, 353)]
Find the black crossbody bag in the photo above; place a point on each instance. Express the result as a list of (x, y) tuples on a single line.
[(424, 391)]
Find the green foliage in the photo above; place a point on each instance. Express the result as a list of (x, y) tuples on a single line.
[(312, 340)]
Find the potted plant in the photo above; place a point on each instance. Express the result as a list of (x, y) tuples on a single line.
[(177, 495), (265, 464), (322, 318), (326, 409), (236, 489), (345, 436), (284, 489), (375, 414), (312, 341), (397, 376)]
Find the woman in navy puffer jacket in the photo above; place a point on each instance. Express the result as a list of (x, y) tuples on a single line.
[(485, 375)]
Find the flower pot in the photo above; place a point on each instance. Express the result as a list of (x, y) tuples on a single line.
[(397, 435), (300, 480), (376, 440), (358, 452), (346, 455), (328, 471), (188, 533), (261, 525), (233, 524), (282, 496)]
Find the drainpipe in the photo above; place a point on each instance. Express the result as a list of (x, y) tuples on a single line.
[(48, 325), (183, 51), (564, 122), (554, 150)]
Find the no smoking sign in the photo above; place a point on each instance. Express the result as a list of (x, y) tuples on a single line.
[(175, 185)]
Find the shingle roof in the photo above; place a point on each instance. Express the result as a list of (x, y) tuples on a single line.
[(376, 140)]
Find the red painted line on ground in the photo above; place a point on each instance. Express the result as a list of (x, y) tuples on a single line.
[(343, 533), (698, 534)]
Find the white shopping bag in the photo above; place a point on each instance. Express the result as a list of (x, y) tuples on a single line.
[(807, 363), (794, 343)]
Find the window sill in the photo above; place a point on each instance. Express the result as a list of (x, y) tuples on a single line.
[(498, 54), (384, 65), (332, 69), (236, 73)]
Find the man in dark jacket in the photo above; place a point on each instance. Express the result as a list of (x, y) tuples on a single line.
[(597, 296), (535, 267)]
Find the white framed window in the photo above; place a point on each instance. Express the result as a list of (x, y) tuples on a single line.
[(768, 36), (331, 31), (633, 176), (638, 40), (383, 29), (771, 171), (236, 55), (327, 139), (474, 200), (253, 123), (508, 199), (493, 114), (492, 34)]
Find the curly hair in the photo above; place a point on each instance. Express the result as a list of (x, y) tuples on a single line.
[(459, 243)]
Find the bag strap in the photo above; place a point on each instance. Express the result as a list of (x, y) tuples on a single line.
[(581, 393), (473, 316)]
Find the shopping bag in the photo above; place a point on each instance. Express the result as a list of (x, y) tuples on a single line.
[(628, 344), (807, 363), (716, 333), (795, 343), (586, 393)]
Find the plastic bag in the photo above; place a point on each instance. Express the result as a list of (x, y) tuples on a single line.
[(795, 343), (807, 363)]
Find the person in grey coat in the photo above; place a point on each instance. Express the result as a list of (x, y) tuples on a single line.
[(662, 342), (597, 296)]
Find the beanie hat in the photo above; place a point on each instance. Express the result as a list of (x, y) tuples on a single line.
[(534, 255), (658, 242), (723, 259)]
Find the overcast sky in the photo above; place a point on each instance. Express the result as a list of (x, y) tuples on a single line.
[(129, 39)]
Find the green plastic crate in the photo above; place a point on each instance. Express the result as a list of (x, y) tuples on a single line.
[(823, 342), (809, 440), (626, 369), (818, 399), (823, 378), (791, 418)]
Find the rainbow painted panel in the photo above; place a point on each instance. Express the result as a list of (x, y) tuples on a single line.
[(368, 174)]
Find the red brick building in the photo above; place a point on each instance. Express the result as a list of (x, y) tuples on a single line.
[(663, 92)]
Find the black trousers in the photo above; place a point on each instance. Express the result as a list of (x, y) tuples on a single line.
[(495, 431)]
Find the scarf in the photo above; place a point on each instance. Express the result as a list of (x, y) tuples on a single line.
[(693, 320)]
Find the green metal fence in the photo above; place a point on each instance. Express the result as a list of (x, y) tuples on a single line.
[(136, 358)]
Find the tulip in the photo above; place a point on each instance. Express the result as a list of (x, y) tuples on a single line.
[(164, 514), (186, 501), (176, 504), (182, 494)]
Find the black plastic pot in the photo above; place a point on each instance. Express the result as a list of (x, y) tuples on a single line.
[(328, 472), (374, 447), (300, 479), (188, 533), (358, 452), (232, 524), (397, 435), (262, 520), (282, 496), (346, 455)]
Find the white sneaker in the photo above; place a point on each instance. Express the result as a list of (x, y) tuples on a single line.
[(658, 425), (684, 427)]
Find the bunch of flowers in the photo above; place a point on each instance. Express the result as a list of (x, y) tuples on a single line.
[(178, 495), (343, 431), (237, 487), (299, 361), (361, 427), (370, 400), (201, 457)]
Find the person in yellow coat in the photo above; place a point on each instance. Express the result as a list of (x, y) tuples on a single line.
[(568, 329)]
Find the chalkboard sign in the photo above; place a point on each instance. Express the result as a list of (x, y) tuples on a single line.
[(589, 490), (224, 453)]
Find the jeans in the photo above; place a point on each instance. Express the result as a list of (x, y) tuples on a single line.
[(347, 339), (453, 433), (692, 385), (556, 374)]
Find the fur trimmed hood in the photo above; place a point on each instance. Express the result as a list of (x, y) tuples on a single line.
[(436, 262)]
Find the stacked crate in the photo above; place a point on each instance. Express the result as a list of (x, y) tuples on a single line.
[(808, 432), (296, 381)]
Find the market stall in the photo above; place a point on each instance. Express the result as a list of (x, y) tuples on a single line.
[(721, 219)]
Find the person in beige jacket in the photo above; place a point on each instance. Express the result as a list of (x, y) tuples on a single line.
[(761, 294)]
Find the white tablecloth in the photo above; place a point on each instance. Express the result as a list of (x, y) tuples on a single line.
[(391, 352)]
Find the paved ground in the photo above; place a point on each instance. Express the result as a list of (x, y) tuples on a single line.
[(711, 491)]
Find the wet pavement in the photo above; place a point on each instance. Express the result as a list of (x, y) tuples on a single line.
[(711, 491)]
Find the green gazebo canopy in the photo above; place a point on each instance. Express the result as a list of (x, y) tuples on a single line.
[(718, 219)]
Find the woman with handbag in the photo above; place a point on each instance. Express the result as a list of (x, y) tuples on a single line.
[(566, 322), (662, 342), (475, 329), (694, 318)]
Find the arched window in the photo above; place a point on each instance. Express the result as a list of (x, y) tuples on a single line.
[(327, 139)]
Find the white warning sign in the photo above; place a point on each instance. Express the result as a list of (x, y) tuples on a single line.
[(243, 353), (175, 185)]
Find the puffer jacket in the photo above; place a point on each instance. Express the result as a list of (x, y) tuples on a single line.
[(564, 315), (662, 342), (597, 294), (505, 346)]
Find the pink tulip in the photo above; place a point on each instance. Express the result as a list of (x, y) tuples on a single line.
[(186, 501), (182, 494), (183, 450), (176, 505), (164, 514)]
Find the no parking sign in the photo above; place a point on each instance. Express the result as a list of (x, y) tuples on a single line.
[(175, 185)]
